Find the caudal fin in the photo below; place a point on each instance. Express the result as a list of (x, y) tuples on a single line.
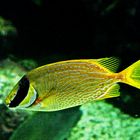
[(132, 74)]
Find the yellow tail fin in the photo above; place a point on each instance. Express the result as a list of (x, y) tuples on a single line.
[(132, 75)]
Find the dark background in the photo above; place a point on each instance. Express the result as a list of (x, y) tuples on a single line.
[(59, 30)]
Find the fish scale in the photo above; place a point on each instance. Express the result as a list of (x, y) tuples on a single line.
[(69, 82), (82, 94)]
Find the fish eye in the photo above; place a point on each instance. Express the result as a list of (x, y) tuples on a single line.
[(21, 92)]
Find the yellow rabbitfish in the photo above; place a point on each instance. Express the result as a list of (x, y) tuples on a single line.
[(71, 83)]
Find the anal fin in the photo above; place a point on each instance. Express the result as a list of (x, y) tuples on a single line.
[(113, 91)]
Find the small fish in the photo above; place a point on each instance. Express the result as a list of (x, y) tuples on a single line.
[(71, 83)]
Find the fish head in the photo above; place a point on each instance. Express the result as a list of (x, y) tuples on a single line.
[(22, 95)]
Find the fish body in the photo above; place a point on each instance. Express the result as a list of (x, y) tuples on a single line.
[(71, 83)]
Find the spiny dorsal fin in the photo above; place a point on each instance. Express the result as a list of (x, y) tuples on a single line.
[(111, 63), (113, 91)]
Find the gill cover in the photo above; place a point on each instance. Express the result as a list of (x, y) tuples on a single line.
[(23, 94)]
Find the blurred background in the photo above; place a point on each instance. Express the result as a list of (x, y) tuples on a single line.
[(37, 32), (70, 29)]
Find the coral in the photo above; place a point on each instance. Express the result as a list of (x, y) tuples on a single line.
[(102, 121)]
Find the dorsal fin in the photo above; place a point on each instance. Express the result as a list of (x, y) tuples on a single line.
[(111, 63), (113, 91)]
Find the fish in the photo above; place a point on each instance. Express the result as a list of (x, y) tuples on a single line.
[(65, 84)]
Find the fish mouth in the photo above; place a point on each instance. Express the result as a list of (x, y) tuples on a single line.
[(7, 101)]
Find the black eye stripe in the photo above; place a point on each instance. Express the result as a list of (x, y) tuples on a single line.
[(21, 93)]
